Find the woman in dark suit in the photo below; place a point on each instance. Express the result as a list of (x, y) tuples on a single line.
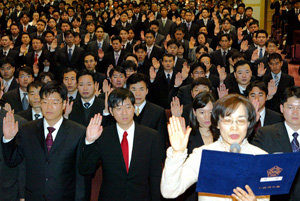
[(200, 121)]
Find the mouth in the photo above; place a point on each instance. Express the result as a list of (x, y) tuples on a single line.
[(234, 136)]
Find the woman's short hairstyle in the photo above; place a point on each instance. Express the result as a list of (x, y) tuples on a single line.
[(228, 105)]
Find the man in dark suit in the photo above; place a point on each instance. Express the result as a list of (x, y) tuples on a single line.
[(100, 43), (69, 56), (284, 136), (133, 170), (11, 179), (25, 27), (147, 113), (85, 108), (34, 111), (190, 28), (7, 71), (166, 26), (152, 49), (206, 21), (50, 149), (90, 63), (18, 98), (7, 52), (280, 79), (257, 92), (40, 28), (122, 23)]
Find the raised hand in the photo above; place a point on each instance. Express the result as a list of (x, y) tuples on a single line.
[(94, 129), (109, 69), (106, 110), (192, 42), (222, 91), (254, 56), (244, 46), (105, 86), (68, 109), (8, 108), (240, 33), (97, 90), (100, 53), (185, 70), (178, 80), (178, 134), (113, 22), (176, 108), (54, 44), (155, 63), (261, 70), (255, 103), (152, 73), (272, 89), (87, 38), (242, 195), (10, 126), (222, 73), (142, 35), (178, 21)]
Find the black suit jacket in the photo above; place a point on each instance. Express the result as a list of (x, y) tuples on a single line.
[(26, 114), (92, 46), (153, 116), (52, 176), (274, 138), (13, 85), (12, 180), (167, 29), (12, 54), (13, 98), (285, 82), (78, 115), (210, 27), (142, 181), (217, 59), (194, 29)]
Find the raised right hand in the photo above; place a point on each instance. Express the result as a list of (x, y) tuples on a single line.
[(94, 129), (10, 126)]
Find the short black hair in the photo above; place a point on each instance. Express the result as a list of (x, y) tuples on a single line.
[(135, 78), (25, 69), (117, 69), (35, 84), (44, 74), (168, 55), (293, 91), (116, 38), (140, 46), (197, 65), (118, 96), (259, 84), (271, 40), (172, 42), (262, 32), (67, 70), (274, 56), (48, 32), (83, 73), (7, 60), (69, 32), (52, 87), (38, 38), (225, 35), (40, 20), (201, 81), (128, 64), (240, 63), (154, 22), (90, 54), (150, 31)]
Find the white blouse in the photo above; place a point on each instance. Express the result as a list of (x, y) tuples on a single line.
[(181, 172)]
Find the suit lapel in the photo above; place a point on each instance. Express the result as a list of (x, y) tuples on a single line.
[(60, 136), (282, 139), (137, 143), (41, 135), (117, 143)]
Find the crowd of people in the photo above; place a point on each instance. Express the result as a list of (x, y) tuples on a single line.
[(93, 83)]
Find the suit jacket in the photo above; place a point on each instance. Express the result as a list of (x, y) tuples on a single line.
[(285, 82), (188, 33), (142, 182), (13, 85), (274, 138), (30, 29), (210, 27), (195, 140), (12, 54), (264, 60), (153, 116), (92, 46), (50, 175), (78, 110), (13, 98), (26, 114), (167, 29), (159, 39), (62, 60), (12, 180), (156, 52), (217, 59)]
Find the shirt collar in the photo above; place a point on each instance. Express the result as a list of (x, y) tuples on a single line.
[(290, 131), (90, 102), (130, 130), (262, 116), (56, 126), (278, 74), (141, 107)]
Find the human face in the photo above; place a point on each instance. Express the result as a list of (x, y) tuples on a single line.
[(164, 12), (49, 38), (123, 113), (201, 39), (203, 115), (224, 42), (14, 30), (233, 128), (168, 63), (70, 81), (34, 97), (130, 34), (141, 54), (37, 45), (198, 72), (86, 87), (116, 45), (226, 26), (70, 40), (275, 65), (198, 89), (261, 39), (65, 27), (24, 79), (118, 79), (90, 63), (40, 26), (124, 35), (7, 71), (154, 28), (291, 112), (51, 23), (46, 79), (25, 19), (271, 48), (99, 33), (25, 39), (139, 91), (90, 28), (248, 13), (172, 49), (5, 41), (206, 61), (243, 75), (179, 35), (150, 39), (259, 95), (124, 17), (188, 16), (52, 107)]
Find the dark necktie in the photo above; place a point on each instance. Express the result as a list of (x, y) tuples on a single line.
[(224, 57), (261, 53), (4, 53), (295, 143), (25, 102), (49, 139), (168, 78), (36, 116), (70, 54), (125, 149), (86, 105), (257, 126), (71, 98)]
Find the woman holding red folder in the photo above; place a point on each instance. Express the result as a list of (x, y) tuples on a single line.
[(233, 119)]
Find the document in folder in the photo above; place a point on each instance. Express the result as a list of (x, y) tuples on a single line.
[(269, 174)]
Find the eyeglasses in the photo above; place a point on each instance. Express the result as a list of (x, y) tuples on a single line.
[(51, 102), (239, 122), (291, 107), (122, 108)]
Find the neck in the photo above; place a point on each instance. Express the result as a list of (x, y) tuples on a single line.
[(6, 48), (139, 104), (37, 109), (169, 70), (244, 85), (53, 122), (126, 126), (23, 89), (261, 109), (87, 99), (70, 45), (205, 132), (294, 127)]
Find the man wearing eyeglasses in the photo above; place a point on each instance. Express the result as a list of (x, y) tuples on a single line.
[(50, 149), (18, 98)]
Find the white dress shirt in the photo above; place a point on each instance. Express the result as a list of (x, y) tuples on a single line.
[(34, 113), (262, 117), (56, 126), (90, 102), (181, 172), (141, 107), (22, 94), (290, 132), (130, 137)]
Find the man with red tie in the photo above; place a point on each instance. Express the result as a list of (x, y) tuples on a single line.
[(130, 154), (50, 149)]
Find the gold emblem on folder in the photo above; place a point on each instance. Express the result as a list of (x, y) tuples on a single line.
[(274, 171)]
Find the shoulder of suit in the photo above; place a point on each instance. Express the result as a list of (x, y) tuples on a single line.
[(272, 129), (11, 93), (155, 107), (74, 125), (146, 131)]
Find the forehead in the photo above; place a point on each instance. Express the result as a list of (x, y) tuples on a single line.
[(293, 100), (138, 84), (34, 89), (54, 95), (116, 73), (124, 102), (85, 78), (243, 67), (70, 74), (165, 58), (89, 57), (256, 90)]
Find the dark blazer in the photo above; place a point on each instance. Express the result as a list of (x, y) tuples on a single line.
[(184, 94), (285, 82), (109, 58), (159, 39), (210, 26), (167, 29), (142, 181), (192, 32), (30, 29), (50, 176), (13, 85), (217, 59), (92, 46), (264, 60), (12, 180), (13, 98), (12, 54), (78, 111), (26, 114), (274, 138), (153, 116), (195, 140)]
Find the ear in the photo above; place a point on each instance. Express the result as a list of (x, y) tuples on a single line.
[(110, 111), (234, 75), (194, 112), (147, 91), (281, 108)]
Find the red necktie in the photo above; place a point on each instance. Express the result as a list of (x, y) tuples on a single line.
[(35, 58), (24, 29), (257, 126), (49, 139), (125, 149)]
